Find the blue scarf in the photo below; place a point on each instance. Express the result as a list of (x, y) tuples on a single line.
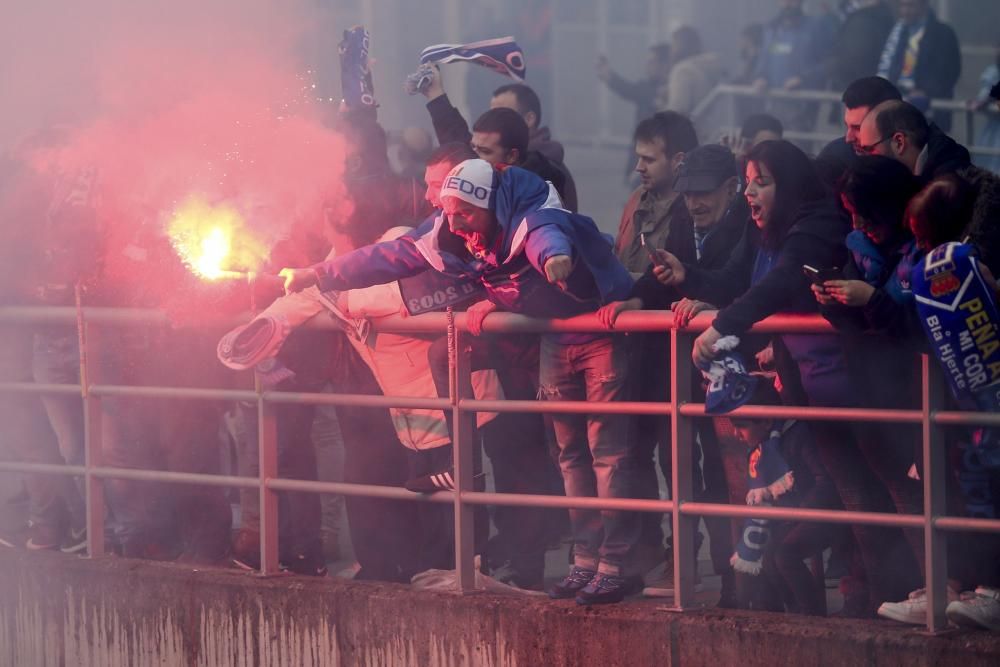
[(959, 315), (769, 477), (502, 55), (355, 75)]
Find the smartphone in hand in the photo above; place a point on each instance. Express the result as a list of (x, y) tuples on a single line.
[(654, 256), (820, 276)]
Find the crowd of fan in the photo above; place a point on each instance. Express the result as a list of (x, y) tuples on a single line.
[(707, 231)]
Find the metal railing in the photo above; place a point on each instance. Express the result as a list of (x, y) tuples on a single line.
[(728, 94), (682, 409), (732, 92)]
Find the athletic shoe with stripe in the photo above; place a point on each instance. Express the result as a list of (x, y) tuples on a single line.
[(443, 480)]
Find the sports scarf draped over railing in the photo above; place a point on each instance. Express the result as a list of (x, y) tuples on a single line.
[(769, 477), (502, 55)]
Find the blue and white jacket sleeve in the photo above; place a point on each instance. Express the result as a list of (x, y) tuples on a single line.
[(371, 265), (544, 242)]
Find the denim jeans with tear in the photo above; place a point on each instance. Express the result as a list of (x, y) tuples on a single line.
[(596, 455)]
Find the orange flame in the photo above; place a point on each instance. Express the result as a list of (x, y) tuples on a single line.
[(212, 240)]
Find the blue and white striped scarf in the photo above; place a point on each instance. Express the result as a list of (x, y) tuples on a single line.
[(502, 55)]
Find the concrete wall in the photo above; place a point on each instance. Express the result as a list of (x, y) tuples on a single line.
[(56, 610)]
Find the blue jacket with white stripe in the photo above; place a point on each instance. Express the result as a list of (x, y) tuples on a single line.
[(532, 229)]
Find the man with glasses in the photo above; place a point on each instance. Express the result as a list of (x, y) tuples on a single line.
[(899, 130)]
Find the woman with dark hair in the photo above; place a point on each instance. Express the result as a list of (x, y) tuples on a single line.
[(872, 306), (797, 223)]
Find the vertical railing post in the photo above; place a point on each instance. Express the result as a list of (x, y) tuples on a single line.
[(267, 446), (463, 452), (681, 459), (92, 436), (934, 455)]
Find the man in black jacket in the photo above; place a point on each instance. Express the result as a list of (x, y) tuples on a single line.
[(500, 135), (707, 179), (900, 131)]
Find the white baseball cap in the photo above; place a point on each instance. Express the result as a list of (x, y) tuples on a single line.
[(471, 181)]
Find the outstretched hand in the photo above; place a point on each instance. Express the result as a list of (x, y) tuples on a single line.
[(297, 280)]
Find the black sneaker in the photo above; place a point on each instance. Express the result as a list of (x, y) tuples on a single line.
[(305, 565), (443, 480), (574, 582), (42, 537), (607, 589), (75, 542)]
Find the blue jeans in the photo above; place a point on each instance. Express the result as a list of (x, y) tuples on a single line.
[(56, 360), (596, 455)]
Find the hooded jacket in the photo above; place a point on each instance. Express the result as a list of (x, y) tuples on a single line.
[(531, 228), (450, 126)]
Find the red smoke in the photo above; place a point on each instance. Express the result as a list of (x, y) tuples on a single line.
[(184, 100)]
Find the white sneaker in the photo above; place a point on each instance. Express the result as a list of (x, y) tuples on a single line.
[(979, 609), (912, 610)]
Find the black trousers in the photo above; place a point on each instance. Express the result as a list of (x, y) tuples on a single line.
[(515, 444)]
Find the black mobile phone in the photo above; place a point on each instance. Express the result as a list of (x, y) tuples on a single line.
[(654, 256), (820, 276)]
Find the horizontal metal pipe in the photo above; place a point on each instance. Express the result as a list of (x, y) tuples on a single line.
[(821, 516), (635, 321), (41, 468), (568, 407), (67, 315), (514, 500), (362, 401), (364, 490), (567, 502), (809, 413), (176, 477), (967, 524), (40, 388), (955, 418), (173, 392)]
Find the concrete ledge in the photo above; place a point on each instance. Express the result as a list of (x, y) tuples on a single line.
[(59, 610)]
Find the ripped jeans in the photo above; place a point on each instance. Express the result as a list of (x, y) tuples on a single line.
[(596, 455)]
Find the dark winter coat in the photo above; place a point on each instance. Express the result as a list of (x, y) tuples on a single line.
[(450, 126)]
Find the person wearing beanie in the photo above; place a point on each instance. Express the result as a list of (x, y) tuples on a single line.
[(506, 228)]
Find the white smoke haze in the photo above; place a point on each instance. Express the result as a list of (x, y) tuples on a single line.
[(170, 101)]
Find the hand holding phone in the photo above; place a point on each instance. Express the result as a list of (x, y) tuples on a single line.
[(654, 256), (820, 276)]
